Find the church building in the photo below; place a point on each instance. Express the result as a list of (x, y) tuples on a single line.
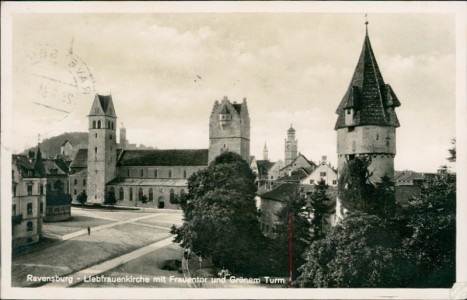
[(150, 178)]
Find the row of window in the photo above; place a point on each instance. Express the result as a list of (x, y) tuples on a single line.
[(312, 181), (121, 193), (156, 173), (76, 181), (28, 208), (29, 189), (98, 124)]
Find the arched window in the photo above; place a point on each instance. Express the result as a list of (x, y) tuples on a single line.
[(94, 124), (155, 173), (131, 194), (84, 182), (172, 196), (99, 124), (142, 172), (120, 193), (128, 173), (108, 124), (170, 173), (110, 137), (182, 194), (76, 181), (140, 194), (151, 196), (112, 124), (184, 173)]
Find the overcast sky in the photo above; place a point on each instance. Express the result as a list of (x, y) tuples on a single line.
[(165, 71)]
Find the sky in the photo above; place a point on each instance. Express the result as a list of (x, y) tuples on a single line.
[(165, 70)]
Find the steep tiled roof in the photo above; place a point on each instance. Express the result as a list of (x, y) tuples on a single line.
[(197, 157), (149, 182), (281, 193), (295, 176), (368, 95), (238, 107), (104, 101), (264, 166), (51, 165), (81, 159)]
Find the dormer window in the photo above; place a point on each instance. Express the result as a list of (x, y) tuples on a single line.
[(349, 111)]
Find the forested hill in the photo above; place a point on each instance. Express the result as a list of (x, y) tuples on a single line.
[(51, 146)]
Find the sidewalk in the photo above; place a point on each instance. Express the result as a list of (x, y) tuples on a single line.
[(100, 227), (112, 263)]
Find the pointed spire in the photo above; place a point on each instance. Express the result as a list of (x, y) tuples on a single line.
[(368, 97), (38, 163), (366, 24), (265, 152)]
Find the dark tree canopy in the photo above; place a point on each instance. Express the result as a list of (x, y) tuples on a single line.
[(321, 207), (82, 197), (110, 198), (430, 238), (220, 216), (360, 252)]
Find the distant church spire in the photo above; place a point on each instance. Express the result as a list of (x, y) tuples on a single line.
[(366, 24), (265, 152)]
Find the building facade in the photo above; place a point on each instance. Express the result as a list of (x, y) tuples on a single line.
[(149, 177), (325, 172), (28, 199)]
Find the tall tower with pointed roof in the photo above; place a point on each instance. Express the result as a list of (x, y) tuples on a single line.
[(229, 129), (291, 145), (265, 152), (367, 121), (102, 147)]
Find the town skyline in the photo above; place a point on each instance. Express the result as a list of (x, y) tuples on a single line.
[(165, 71)]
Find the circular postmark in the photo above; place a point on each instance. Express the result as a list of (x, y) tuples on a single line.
[(50, 84), (56, 78)]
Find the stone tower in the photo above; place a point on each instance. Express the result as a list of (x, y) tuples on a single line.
[(265, 152), (123, 140), (367, 121), (102, 147), (229, 129), (290, 146)]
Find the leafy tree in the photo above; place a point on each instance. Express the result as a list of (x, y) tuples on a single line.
[(82, 198), (295, 206), (430, 236), (452, 151), (358, 193), (144, 199), (321, 206), (220, 216), (360, 252), (110, 198)]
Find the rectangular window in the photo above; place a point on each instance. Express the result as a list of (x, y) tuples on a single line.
[(42, 207), (312, 181), (142, 173), (128, 173), (42, 189), (322, 173), (14, 190), (350, 129), (29, 189), (29, 208), (14, 210), (334, 182), (84, 182), (75, 192), (29, 226), (155, 173)]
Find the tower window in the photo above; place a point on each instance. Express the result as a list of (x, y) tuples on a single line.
[(29, 189), (131, 194), (41, 209), (96, 135), (84, 182), (110, 137), (99, 124), (377, 136), (29, 208), (76, 181), (94, 124), (350, 128), (108, 124), (75, 192), (95, 150)]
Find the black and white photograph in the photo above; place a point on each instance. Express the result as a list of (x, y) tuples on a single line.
[(155, 150)]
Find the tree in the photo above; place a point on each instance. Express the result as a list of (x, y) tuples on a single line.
[(430, 236), (295, 206), (357, 193), (110, 198), (82, 198), (321, 207), (452, 151), (220, 216), (144, 199), (360, 252)]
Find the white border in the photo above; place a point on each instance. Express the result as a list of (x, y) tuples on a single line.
[(10, 8)]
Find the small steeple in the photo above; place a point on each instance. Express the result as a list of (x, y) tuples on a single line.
[(38, 163), (265, 152), (366, 24)]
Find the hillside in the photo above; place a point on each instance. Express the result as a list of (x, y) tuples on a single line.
[(51, 146)]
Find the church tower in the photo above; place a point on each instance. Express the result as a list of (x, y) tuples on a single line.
[(265, 152), (367, 121), (229, 129), (290, 146), (102, 147)]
